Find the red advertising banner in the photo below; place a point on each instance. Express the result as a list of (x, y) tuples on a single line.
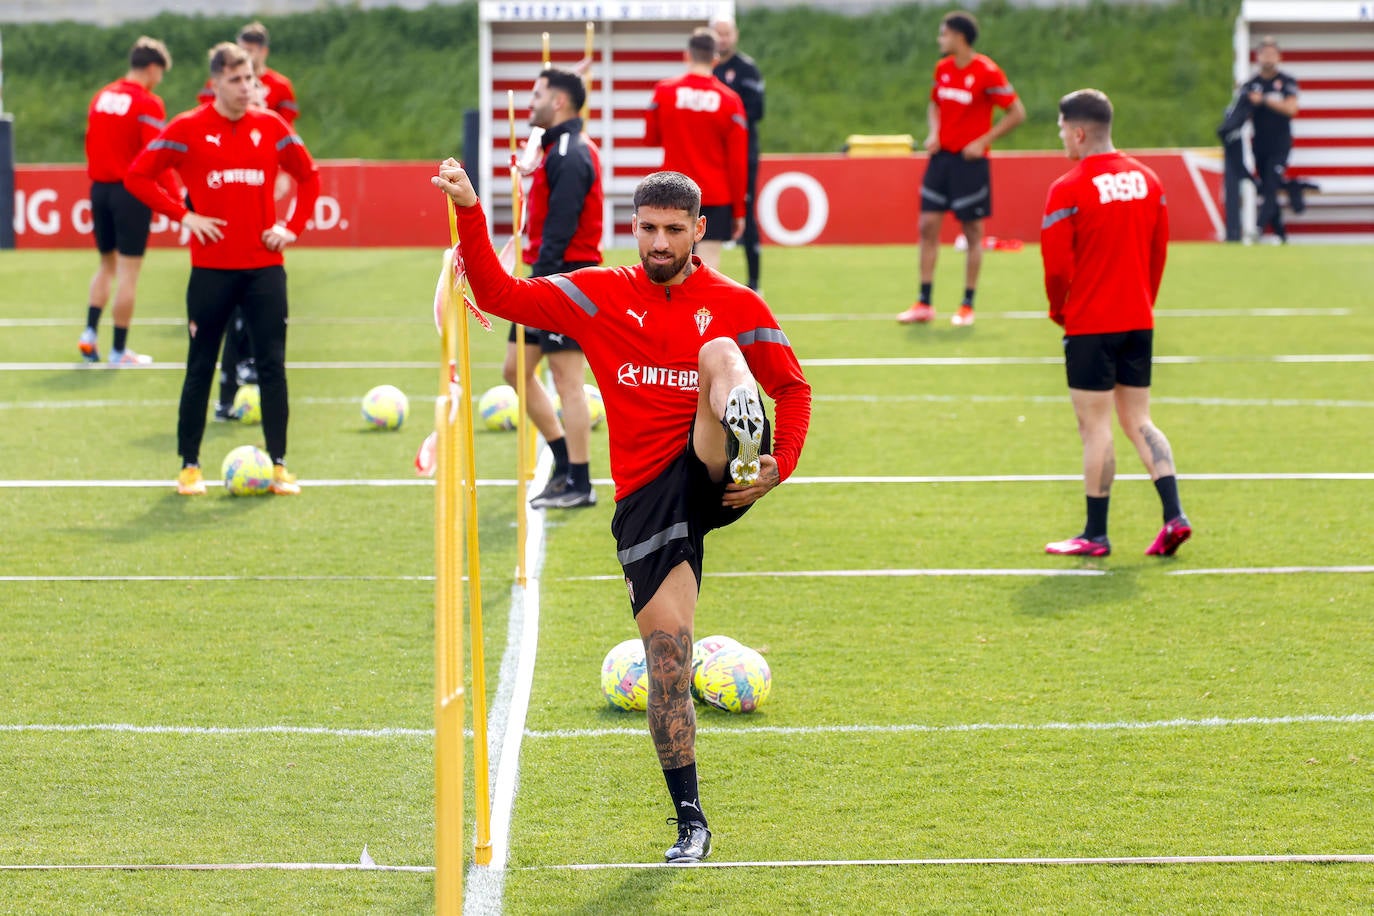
[(802, 200)]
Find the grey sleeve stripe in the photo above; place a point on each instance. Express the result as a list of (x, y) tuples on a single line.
[(168, 144), (578, 297), (763, 335), (1056, 216), (152, 121), (286, 141), (654, 542)]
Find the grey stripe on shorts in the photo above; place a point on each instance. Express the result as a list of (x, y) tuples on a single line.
[(650, 544)]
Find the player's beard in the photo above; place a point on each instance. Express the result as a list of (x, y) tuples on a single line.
[(661, 273)]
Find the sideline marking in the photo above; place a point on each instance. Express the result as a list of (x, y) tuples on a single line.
[(1270, 570), (228, 866), (909, 728), (224, 731), (861, 573), (1019, 315)]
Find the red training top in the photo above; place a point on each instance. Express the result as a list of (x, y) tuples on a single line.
[(229, 168), (1104, 240), (642, 341), (700, 123), (281, 95), (123, 118), (965, 98)]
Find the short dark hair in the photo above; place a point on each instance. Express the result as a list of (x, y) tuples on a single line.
[(1089, 105), (567, 82), (254, 33), (702, 46), (148, 51), (669, 191), (962, 22), (225, 56)]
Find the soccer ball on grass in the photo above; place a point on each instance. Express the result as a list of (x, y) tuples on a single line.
[(385, 407), (734, 678), (499, 408), (247, 407), (246, 471), (625, 676)]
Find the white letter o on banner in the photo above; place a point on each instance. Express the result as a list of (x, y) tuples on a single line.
[(817, 206)]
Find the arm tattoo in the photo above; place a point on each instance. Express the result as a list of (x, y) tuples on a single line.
[(671, 715)]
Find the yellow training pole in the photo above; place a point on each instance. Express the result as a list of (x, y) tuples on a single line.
[(587, 75), (522, 423), (481, 779), (448, 630), (546, 59)]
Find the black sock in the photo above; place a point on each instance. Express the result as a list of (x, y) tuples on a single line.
[(1097, 517), (120, 339), (968, 298), (93, 317), (1167, 487), (925, 293), (682, 786), (559, 447), (580, 475)]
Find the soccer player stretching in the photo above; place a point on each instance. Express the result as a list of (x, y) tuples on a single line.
[(678, 350), (1104, 240), (229, 153)]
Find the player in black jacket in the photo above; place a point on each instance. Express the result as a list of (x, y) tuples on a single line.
[(740, 73)]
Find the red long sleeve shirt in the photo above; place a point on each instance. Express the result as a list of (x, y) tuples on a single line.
[(1104, 240), (641, 341), (229, 168), (122, 119), (700, 123)]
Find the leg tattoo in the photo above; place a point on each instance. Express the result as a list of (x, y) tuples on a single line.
[(671, 715), (1161, 456)]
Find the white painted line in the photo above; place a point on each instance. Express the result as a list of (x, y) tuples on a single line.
[(912, 728), (1064, 400), (228, 866), (1293, 859), (887, 318), (164, 322), (169, 484), (429, 578), (181, 367), (222, 731), (866, 573), (1271, 570), (868, 362)]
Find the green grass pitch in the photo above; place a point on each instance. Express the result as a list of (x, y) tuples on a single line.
[(269, 661)]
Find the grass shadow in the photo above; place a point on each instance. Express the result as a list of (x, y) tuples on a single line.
[(1055, 597), (643, 886)]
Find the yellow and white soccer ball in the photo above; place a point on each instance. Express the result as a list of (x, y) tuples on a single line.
[(499, 408), (246, 471), (247, 407), (625, 676), (735, 679), (596, 408), (702, 650), (385, 407)]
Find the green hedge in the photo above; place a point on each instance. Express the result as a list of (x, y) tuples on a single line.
[(393, 84)]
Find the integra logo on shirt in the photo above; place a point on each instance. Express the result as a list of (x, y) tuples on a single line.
[(218, 178), (962, 96), (632, 376)]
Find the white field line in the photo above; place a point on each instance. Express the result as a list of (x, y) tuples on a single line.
[(886, 317), (428, 578), (863, 574), (607, 482), (963, 728), (866, 316), (1270, 571), (107, 403), (853, 362), (1309, 859), (476, 872), (222, 731)]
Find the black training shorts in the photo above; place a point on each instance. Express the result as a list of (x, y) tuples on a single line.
[(954, 183), (664, 523), (119, 220), (1100, 362), (720, 223)]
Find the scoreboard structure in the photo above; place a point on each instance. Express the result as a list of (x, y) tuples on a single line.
[(634, 45)]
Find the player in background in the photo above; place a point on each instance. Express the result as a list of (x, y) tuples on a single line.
[(1273, 96), (968, 86), (228, 153), (679, 351), (281, 94), (565, 216), (1104, 240), (123, 118), (701, 125), (738, 71)]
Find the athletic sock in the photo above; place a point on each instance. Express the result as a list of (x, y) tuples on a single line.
[(968, 298), (1167, 488), (93, 317), (580, 475), (191, 462), (559, 447), (925, 293), (121, 337), (682, 786), (1097, 517)]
